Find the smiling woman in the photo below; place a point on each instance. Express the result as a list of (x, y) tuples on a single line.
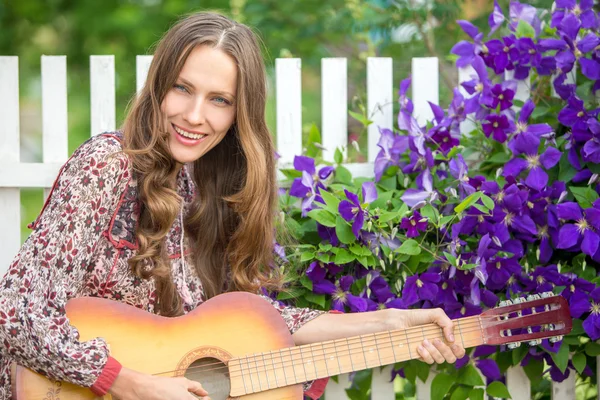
[(172, 210)]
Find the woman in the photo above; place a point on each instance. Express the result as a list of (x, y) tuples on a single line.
[(151, 215)]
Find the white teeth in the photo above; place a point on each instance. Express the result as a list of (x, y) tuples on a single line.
[(188, 134)]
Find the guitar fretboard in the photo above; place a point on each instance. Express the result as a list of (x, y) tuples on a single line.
[(269, 370)]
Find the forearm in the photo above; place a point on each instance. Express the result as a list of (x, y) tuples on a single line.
[(336, 326)]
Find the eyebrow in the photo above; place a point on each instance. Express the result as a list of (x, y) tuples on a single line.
[(185, 81)]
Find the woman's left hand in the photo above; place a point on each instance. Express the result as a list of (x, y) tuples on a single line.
[(431, 350)]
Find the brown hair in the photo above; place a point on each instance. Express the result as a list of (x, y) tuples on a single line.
[(231, 222)]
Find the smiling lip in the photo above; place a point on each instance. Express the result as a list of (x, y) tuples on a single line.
[(189, 130), (184, 140)]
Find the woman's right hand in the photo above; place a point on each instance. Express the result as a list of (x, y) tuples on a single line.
[(133, 385)]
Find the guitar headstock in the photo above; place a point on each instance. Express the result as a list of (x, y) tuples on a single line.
[(532, 319)]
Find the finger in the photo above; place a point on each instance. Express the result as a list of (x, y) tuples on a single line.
[(433, 351), (444, 322), (425, 356), (195, 387), (444, 350), (458, 351)]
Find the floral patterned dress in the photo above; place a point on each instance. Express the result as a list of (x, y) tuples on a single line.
[(79, 246)]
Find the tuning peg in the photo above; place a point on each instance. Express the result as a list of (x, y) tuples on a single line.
[(514, 345), (533, 297), (519, 300), (555, 339), (505, 303), (535, 342), (547, 294)]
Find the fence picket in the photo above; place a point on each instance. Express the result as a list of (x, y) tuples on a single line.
[(381, 387), (380, 100), (142, 65), (102, 83), (337, 390), (334, 106), (10, 197), (564, 390), (518, 384), (425, 87), (55, 137), (289, 108)]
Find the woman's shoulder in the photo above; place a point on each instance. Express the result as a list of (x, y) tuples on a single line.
[(99, 151)]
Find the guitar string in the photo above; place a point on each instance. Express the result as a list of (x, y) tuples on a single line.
[(466, 327)]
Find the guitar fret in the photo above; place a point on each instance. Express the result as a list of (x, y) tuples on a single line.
[(243, 375), (337, 357), (283, 367), (363, 351), (314, 360), (250, 373), (303, 367), (408, 344), (296, 380), (462, 339), (377, 349), (265, 369), (393, 346), (325, 358), (274, 368), (350, 354)]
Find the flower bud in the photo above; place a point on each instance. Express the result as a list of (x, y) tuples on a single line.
[(355, 145), (281, 217), (593, 179), (562, 197), (382, 264), (419, 205), (499, 172), (391, 257), (369, 226), (394, 232)]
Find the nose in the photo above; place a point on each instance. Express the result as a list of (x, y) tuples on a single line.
[(195, 112)]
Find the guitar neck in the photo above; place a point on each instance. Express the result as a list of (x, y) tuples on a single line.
[(273, 369)]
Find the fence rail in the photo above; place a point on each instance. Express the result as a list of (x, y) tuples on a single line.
[(15, 174)]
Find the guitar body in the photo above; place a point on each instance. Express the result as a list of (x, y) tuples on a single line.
[(197, 345)]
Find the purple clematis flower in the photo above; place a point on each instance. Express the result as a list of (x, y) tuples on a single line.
[(392, 146), (583, 231), (591, 325), (459, 170), (537, 178), (351, 209), (489, 368), (414, 224), (503, 95), (503, 54), (340, 294), (527, 137), (582, 11), (423, 287), (496, 126), (406, 105), (307, 188), (467, 51)]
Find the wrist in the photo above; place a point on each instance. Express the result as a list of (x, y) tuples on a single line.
[(393, 319), (127, 380)]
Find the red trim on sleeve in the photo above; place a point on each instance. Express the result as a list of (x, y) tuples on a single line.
[(107, 377)]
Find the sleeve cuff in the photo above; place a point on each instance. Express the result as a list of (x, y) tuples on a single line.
[(107, 377)]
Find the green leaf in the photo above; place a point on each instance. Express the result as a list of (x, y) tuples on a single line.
[(561, 359), (539, 111), (290, 293), (291, 173), (487, 201), (579, 362), (306, 282), (307, 256), (323, 217), (387, 216), (585, 196), (525, 30), (498, 389), (440, 386), (468, 202), (518, 354), (566, 172), (533, 370), (360, 118), (476, 394), (469, 375), (343, 175), (343, 256), (592, 349), (411, 247), (338, 157), (344, 231), (331, 202), (450, 258), (318, 299), (323, 257), (460, 393), (445, 220)]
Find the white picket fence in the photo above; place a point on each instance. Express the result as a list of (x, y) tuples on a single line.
[(15, 174)]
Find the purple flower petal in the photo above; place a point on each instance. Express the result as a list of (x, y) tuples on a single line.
[(537, 178), (569, 211), (369, 192), (303, 163), (514, 167), (568, 236), (550, 158), (590, 242)]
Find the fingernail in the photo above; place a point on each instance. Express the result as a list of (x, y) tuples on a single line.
[(420, 348), (426, 341), (437, 341), (451, 337)]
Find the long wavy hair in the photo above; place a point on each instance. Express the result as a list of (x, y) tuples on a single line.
[(230, 225)]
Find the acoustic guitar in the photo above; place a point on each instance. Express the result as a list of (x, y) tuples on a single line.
[(238, 346)]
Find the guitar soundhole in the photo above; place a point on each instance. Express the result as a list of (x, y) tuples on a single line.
[(213, 374)]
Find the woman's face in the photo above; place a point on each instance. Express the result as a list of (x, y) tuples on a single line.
[(200, 107)]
